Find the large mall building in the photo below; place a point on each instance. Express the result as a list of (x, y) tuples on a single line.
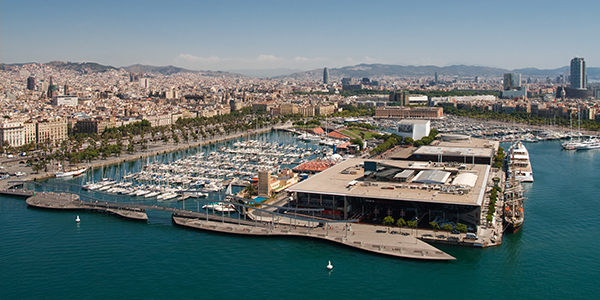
[(432, 190)]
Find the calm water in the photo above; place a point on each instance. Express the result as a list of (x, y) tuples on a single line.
[(46, 255)]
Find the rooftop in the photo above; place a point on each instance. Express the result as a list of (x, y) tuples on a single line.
[(335, 181)]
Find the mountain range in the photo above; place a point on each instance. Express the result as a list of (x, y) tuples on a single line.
[(357, 71), (377, 70)]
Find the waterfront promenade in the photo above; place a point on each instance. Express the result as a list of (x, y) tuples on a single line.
[(359, 236), (369, 238)]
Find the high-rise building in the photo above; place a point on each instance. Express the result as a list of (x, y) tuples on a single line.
[(31, 83), (511, 81), (326, 76), (578, 75), (52, 89)]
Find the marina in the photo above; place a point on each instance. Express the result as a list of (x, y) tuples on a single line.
[(540, 243)]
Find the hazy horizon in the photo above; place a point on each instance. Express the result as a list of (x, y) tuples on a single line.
[(307, 35)]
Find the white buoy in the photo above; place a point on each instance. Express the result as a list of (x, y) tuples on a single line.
[(77, 219), (329, 266)]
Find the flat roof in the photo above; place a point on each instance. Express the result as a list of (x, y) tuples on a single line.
[(471, 143), (454, 151), (333, 182)]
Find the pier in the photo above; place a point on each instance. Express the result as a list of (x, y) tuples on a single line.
[(363, 237), (69, 201)]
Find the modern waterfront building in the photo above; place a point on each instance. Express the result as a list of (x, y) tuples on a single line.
[(512, 86), (578, 73), (326, 76), (512, 81), (369, 190), (415, 129)]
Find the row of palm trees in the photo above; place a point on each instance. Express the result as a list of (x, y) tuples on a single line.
[(80, 147)]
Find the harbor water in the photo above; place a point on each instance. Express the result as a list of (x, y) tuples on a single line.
[(45, 254)]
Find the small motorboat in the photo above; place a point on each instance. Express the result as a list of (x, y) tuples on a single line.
[(77, 219), (329, 266)]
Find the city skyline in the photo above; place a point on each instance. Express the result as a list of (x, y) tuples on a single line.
[(232, 35)]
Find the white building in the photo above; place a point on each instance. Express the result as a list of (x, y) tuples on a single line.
[(65, 100), (417, 99), (415, 129)]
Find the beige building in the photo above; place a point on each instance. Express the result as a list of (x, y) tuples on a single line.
[(29, 132), (54, 130), (288, 109), (12, 132), (307, 111), (325, 109)]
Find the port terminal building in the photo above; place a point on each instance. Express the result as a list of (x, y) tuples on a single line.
[(369, 190), (453, 148)]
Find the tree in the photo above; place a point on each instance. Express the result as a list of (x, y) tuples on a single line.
[(434, 225), (447, 227), (461, 227), (412, 224), (358, 141), (401, 222), (250, 190), (387, 221)]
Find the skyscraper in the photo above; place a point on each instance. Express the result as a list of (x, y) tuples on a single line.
[(578, 75), (511, 81), (326, 76), (31, 83)]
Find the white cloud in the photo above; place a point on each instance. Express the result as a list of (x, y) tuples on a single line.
[(191, 58), (268, 57)]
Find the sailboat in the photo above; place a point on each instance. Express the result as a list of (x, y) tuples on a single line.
[(513, 214), (573, 145)]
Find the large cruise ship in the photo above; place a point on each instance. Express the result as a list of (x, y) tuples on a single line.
[(519, 166)]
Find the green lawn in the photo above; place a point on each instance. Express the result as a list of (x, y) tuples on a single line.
[(353, 133)]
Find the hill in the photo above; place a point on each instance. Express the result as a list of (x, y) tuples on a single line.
[(380, 70), (80, 67)]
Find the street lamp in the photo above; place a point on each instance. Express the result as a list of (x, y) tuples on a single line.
[(417, 227)]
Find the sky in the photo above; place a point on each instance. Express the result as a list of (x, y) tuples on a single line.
[(246, 34)]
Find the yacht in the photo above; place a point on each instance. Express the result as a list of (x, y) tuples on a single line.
[(519, 166), (592, 143)]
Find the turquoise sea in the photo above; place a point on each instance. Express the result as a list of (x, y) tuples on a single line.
[(44, 254)]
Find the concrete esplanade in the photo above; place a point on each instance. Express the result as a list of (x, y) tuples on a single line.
[(374, 239), (359, 236)]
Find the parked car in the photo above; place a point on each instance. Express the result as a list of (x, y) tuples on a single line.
[(471, 236)]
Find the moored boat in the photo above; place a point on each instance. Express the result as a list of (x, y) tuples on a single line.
[(76, 172), (513, 213), (519, 165)]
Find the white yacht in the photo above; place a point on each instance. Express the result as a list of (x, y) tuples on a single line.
[(519, 165), (592, 143)]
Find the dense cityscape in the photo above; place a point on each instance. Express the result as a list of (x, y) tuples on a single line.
[(299, 150)]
